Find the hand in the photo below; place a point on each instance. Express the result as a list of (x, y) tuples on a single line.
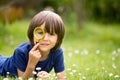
[(43, 75), (34, 55)]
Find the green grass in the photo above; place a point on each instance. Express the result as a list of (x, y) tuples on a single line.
[(12, 35), (91, 53)]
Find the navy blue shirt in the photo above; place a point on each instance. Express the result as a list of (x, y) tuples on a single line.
[(19, 60)]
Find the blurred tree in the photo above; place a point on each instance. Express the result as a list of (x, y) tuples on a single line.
[(11, 11), (2, 2), (79, 10), (104, 10)]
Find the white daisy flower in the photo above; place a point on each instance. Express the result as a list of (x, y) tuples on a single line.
[(116, 76), (110, 74)]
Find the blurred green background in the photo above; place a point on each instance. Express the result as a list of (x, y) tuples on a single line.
[(92, 40)]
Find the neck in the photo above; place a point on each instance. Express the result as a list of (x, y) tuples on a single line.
[(44, 55)]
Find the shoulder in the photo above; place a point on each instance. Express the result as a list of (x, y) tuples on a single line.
[(21, 52), (24, 47), (58, 52)]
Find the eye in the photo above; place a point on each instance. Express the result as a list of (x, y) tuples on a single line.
[(40, 32)]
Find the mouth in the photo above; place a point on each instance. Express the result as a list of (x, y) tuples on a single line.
[(44, 44)]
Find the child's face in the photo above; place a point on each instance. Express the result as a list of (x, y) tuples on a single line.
[(48, 41)]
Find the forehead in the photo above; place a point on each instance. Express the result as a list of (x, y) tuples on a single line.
[(47, 27), (42, 26)]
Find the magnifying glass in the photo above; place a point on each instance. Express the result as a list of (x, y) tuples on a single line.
[(38, 34)]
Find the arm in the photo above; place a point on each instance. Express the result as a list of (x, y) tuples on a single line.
[(61, 75), (59, 66), (27, 73), (34, 57)]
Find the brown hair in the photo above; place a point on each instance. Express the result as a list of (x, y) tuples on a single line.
[(53, 23)]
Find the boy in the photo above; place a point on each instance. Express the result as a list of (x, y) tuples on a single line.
[(46, 32)]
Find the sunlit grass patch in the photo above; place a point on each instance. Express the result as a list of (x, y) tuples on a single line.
[(93, 53), (91, 65)]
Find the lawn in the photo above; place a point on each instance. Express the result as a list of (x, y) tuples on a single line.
[(91, 53)]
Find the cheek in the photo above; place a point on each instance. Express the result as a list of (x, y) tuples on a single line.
[(54, 41)]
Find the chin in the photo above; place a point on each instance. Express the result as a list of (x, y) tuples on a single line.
[(44, 49)]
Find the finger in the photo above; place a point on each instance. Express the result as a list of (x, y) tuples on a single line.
[(35, 42), (37, 52), (35, 47)]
